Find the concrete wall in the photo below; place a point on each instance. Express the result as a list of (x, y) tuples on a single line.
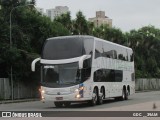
[(20, 90), (147, 84)]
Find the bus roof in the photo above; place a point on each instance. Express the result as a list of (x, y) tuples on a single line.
[(90, 37), (106, 41), (73, 36)]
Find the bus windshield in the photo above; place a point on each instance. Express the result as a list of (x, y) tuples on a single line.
[(66, 48), (61, 75)]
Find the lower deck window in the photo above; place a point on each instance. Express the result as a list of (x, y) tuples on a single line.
[(108, 75)]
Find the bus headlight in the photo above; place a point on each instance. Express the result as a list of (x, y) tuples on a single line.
[(75, 89), (42, 97), (78, 96), (79, 89), (42, 91)]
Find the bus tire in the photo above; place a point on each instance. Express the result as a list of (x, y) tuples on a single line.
[(94, 98), (100, 100), (102, 96), (126, 95), (122, 97), (58, 104)]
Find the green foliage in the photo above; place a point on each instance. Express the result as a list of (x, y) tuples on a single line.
[(65, 20), (111, 34), (80, 25), (29, 31), (1, 98), (33, 2), (146, 45)]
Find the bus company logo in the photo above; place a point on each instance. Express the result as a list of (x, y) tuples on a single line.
[(6, 114), (58, 93)]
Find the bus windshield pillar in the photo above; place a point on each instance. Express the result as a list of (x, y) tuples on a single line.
[(84, 57)]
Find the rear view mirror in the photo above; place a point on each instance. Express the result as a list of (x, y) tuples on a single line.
[(34, 63)]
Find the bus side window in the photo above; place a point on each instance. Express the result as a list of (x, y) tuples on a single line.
[(130, 56), (86, 71), (118, 75), (112, 75), (133, 76), (98, 49), (98, 76)]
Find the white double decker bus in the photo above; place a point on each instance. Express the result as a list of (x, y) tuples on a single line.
[(85, 68)]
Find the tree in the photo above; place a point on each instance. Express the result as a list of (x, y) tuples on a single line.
[(111, 34), (33, 2), (29, 31), (65, 20), (145, 43), (91, 27), (80, 25)]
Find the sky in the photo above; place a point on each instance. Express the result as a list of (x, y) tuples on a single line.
[(126, 14)]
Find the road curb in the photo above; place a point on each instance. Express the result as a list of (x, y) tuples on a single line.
[(18, 101), (145, 91)]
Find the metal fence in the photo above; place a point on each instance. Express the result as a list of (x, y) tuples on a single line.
[(5, 89), (20, 90)]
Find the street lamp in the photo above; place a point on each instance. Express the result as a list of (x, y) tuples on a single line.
[(11, 39)]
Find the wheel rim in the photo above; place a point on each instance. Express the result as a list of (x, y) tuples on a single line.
[(126, 97), (123, 95), (103, 96), (95, 97)]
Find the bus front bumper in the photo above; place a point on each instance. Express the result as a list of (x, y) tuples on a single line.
[(69, 97)]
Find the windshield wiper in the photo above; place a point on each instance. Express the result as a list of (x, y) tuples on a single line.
[(69, 83)]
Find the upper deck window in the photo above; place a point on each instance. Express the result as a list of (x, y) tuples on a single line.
[(65, 48)]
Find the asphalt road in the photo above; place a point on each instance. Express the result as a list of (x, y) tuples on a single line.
[(143, 101), (135, 102)]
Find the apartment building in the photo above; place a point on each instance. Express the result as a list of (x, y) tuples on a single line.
[(101, 19), (57, 11)]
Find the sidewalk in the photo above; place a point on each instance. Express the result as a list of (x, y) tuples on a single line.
[(140, 91), (19, 100)]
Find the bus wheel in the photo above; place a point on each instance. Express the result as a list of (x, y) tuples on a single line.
[(67, 104), (58, 104), (100, 100), (123, 95), (126, 95), (94, 98), (101, 96)]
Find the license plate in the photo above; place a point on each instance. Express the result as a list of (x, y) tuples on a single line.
[(59, 98)]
